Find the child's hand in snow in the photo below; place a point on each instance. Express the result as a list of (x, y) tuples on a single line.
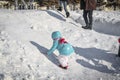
[(48, 53)]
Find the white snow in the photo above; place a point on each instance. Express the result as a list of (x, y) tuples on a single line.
[(25, 37)]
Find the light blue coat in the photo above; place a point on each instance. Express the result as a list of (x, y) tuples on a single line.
[(64, 48)]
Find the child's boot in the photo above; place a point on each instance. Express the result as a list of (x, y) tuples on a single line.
[(66, 67)]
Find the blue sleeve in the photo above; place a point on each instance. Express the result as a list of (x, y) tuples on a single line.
[(54, 46)]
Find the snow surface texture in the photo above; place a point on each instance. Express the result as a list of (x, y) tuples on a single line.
[(25, 37)]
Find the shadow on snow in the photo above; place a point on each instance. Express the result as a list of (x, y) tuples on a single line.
[(97, 57), (44, 50), (56, 15), (107, 28)]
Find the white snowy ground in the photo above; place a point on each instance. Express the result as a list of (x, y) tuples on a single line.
[(25, 37)]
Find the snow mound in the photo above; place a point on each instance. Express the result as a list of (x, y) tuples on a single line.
[(103, 22), (25, 37)]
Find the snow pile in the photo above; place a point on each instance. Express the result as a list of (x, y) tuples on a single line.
[(104, 22), (25, 37)]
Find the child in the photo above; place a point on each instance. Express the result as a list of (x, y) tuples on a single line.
[(64, 48)]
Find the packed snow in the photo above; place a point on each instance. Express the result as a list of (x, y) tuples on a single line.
[(25, 37)]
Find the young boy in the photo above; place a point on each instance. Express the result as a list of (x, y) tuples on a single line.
[(64, 48)]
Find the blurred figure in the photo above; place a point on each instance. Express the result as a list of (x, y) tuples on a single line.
[(88, 6), (24, 4), (63, 3)]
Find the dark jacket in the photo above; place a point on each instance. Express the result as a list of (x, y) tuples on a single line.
[(82, 4), (88, 4)]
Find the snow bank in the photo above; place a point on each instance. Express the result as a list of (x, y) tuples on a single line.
[(25, 37), (103, 22)]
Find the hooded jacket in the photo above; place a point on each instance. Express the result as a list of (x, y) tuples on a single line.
[(63, 47)]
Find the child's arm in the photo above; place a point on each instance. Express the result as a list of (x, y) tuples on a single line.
[(54, 46)]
